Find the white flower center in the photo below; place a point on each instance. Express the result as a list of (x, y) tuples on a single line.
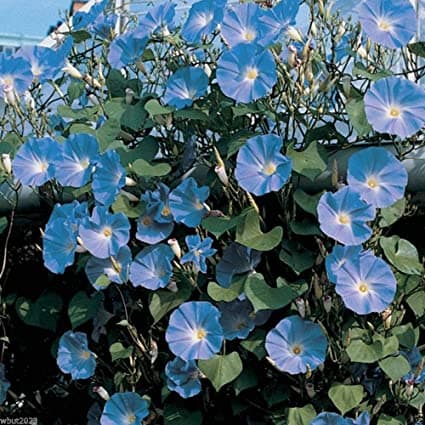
[(251, 74), (344, 218), (269, 168), (373, 183), (363, 288), (384, 25), (249, 35)]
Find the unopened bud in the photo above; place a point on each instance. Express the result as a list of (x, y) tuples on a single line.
[(175, 247), (101, 392), (172, 286), (409, 389), (130, 182), (129, 96), (318, 292), (300, 303), (9, 94), (386, 317), (91, 81), (327, 303), (154, 351), (129, 196), (29, 100), (221, 174), (313, 29), (207, 70), (72, 71), (6, 162), (294, 34), (93, 99), (362, 52), (311, 392)]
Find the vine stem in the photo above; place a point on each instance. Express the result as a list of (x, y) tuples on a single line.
[(6, 244)]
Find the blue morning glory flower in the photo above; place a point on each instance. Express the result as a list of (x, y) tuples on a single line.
[(366, 284), (15, 76), (158, 18), (338, 257), (242, 24), (79, 154), (4, 384), (103, 234), (126, 49), (151, 231), (59, 245), (199, 251), (81, 20), (328, 418), (185, 85), (158, 201), (152, 268), (260, 167), (417, 372), (124, 409), (388, 23), (204, 16), (34, 162), (104, 26), (237, 319), (115, 268), (73, 213), (74, 356), (394, 105), (194, 331), (183, 377), (363, 419), (278, 18), (236, 260), (246, 73), (108, 178), (187, 202), (296, 345), (377, 175), (343, 216)]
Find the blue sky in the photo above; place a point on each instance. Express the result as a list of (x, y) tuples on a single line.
[(30, 17)]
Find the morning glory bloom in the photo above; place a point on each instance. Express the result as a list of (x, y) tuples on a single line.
[(79, 154), (183, 377), (124, 409), (104, 26), (185, 85), (151, 231), (152, 268), (158, 201), (394, 105), (236, 260), (74, 356), (338, 257), (199, 251), (204, 16), (366, 284), (328, 418), (377, 175), (343, 216), (103, 234), (81, 20), (187, 202), (116, 268), (242, 24), (59, 245), (260, 167), (389, 23), (4, 384), (158, 18), (246, 73), (73, 213), (126, 49), (194, 331), (362, 419), (34, 163), (108, 178), (278, 18), (15, 76), (237, 319), (417, 372), (296, 344)]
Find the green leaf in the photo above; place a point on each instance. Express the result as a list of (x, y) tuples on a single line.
[(246, 108), (134, 116), (301, 415), (246, 380), (75, 90), (309, 162), (395, 367), (392, 213), (221, 370), (360, 352), (234, 142), (174, 415), (417, 303), (389, 420), (219, 225), (123, 204), (82, 308), (401, 254), (218, 293), (296, 256), (191, 114), (356, 112), (255, 343), (307, 202), (144, 169), (80, 36), (118, 351), (116, 83), (264, 297), (77, 114), (102, 282), (108, 133), (306, 227), (145, 149), (360, 69), (43, 312), (163, 300), (248, 233), (3, 224), (407, 335), (417, 48), (346, 397), (153, 107)]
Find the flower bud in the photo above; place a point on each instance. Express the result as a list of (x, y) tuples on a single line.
[(154, 351), (129, 96), (175, 247), (72, 71), (172, 286), (129, 196), (221, 174), (9, 94), (91, 81), (300, 303), (130, 182), (29, 100), (294, 34), (311, 392), (6, 162), (386, 317), (327, 303), (101, 392)]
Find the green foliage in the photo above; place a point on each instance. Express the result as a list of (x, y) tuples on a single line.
[(83, 307), (346, 397), (308, 162)]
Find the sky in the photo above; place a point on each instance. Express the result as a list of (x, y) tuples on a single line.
[(30, 17)]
